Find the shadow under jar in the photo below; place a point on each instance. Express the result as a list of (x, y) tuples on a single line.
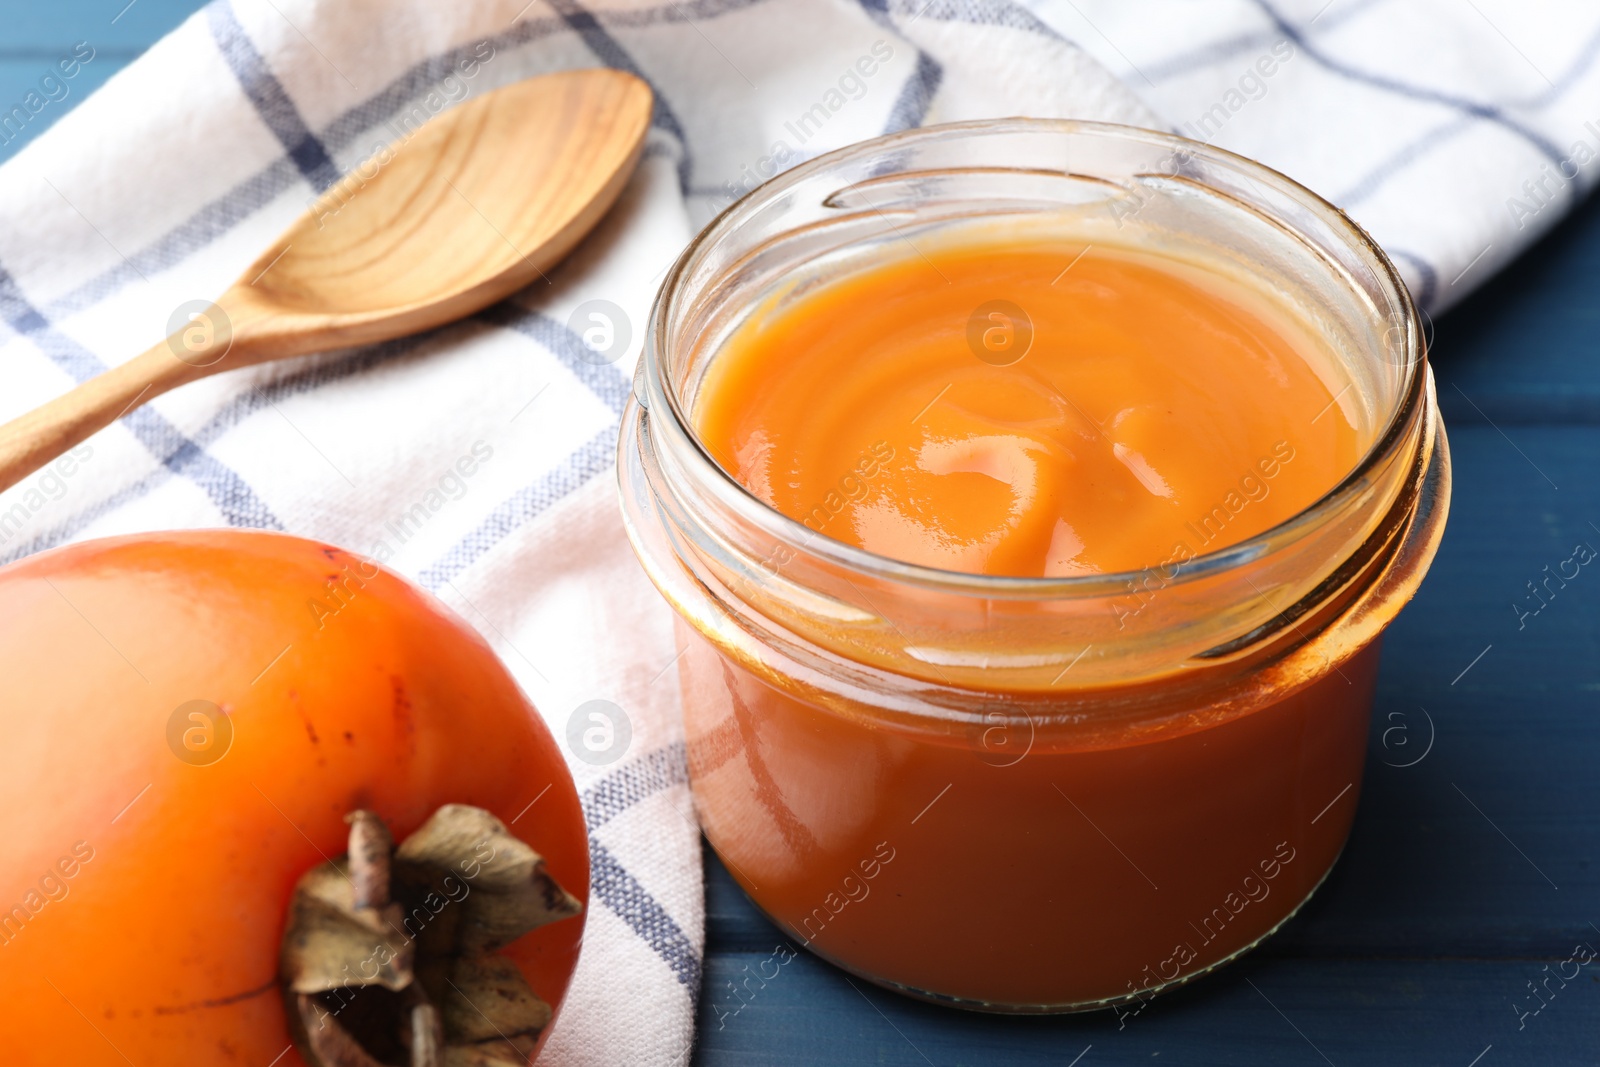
[(1032, 794)]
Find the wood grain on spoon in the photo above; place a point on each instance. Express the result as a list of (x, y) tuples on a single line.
[(478, 203)]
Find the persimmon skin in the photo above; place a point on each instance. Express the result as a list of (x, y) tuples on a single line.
[(162, 947)]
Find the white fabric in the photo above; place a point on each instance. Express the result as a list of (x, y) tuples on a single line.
[(1454, 131), (163, 185)]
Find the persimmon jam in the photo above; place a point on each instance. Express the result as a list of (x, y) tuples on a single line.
[(1033, 408), (1032, 497), (1047, 409)]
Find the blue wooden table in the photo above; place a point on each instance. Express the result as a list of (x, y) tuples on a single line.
[(1474, 869)]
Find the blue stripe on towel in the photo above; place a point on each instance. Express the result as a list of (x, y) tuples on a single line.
[(1376, 178), (193, 235), (269, 97), (234, 498), (1427, 277), (644, 777), (603, 380), (610, 387), (1419, 93), (612, 54), (916, 95), (231, 414), (594, 456), (1247, 43), (623, 894)]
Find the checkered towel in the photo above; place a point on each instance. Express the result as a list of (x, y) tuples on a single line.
[(1454, 131)]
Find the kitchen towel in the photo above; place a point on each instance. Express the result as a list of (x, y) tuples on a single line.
[(1456, 130)]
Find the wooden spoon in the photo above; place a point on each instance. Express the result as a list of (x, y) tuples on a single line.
[(473, 206)]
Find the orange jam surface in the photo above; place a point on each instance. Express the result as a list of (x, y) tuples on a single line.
[(1157, 411)]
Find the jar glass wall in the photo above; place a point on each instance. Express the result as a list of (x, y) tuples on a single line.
[(1033, 794)]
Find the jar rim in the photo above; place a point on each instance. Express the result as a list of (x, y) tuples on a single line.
[(768, 519)]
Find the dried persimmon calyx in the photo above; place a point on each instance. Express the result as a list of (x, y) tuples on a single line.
[(390, 953), (490, 1012), (465, 855)]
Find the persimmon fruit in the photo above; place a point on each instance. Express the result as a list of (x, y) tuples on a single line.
[(188, 720)]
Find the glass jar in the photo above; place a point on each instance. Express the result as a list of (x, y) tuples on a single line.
[(1033, 794)]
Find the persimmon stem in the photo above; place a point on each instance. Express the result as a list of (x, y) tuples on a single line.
[(427, 1036), (370, 851)]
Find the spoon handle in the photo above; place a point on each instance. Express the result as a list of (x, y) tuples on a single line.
[(33, 440)]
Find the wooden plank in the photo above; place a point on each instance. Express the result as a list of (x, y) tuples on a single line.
[(1459, 854), (1526, 347), (1260, 1011)]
